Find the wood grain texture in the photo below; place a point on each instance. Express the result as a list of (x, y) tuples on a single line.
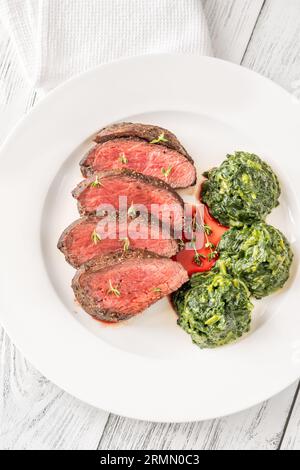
[(35, 414), (231, 23), (291, 437), (274, 50), (260, 427)]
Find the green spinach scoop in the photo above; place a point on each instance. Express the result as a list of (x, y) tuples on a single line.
[(242, 190), (214, 308), (258, 254)]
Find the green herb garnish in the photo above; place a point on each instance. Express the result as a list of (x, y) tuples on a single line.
[(123, 158), (96, 182), (156, 289), (113, 290), (207, 229), (161, 138), (212, 255), (198, 257), (95, 237), (209, 244)]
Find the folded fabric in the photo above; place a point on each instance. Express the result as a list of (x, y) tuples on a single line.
[(56, 39)]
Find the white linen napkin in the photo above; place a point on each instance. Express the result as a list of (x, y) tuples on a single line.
[(56, 39)]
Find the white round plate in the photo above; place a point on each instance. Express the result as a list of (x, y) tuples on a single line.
[(147, 367)]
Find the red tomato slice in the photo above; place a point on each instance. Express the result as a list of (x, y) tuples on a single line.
[(217, 228), (187, 256)]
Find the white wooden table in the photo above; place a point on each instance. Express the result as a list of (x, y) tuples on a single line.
[(34, 413)]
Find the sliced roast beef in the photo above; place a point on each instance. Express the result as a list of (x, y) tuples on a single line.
[(137, 154), (106, 188), (92, 236), (120, 285), (147, 132)]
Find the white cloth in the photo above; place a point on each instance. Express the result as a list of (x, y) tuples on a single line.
[(56, 39)]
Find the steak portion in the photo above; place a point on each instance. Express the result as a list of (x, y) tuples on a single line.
[(92, 236), (136, 154), (106, 188), (120, 285), (146, 132)]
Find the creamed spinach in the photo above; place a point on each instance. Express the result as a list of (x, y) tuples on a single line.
[(214, 308), (259, 254), (242, 190)]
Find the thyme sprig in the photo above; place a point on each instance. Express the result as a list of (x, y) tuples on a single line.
[(212, 255), (122, 158), (212, 320), (95, 237), (181, 243), (207, 230), (210, 245), (126, 243), (113, 290), (166, 172), (161, 138), (198, 257)]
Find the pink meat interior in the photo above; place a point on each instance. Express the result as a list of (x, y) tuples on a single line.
[(136, 191), (149, 159), (82, 246), (139, 284)]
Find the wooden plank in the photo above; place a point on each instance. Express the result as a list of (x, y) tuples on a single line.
[(35, 414), (260, 427), (274, 50), (291, 437), (231, 23), (36, 421)]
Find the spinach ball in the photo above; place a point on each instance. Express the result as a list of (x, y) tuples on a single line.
[(242, 190), (214, 308), (258, 254)]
